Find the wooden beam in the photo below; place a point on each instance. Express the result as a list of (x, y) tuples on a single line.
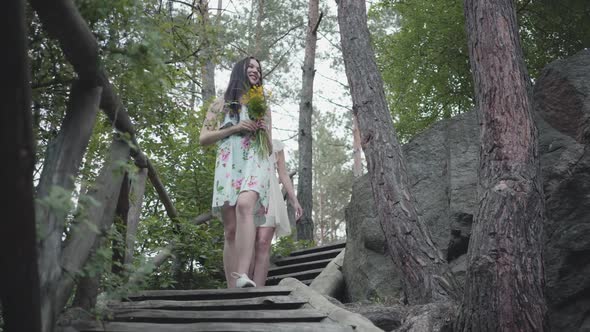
[(182, 316), (136, 197), (62, 162), (63, 21), (209, 294), (95, 219), (211, 327), (19, 281), (260, 303)]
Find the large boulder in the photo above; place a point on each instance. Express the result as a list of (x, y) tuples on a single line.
[(442, 163), (369, 273)]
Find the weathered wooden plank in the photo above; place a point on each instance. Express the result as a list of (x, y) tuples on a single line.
[(337, 314), (301, 275), (179, 316), (308, 258), (63, 21), (261, 303), (61, 166), (327, 247), (19, 281), (208, 294), (286, 269), (85, 326), (96, 217), (137, 192)]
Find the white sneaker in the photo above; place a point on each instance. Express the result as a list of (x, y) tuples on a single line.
[(242, 280)]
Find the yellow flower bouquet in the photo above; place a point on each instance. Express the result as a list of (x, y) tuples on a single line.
[(256, 102)]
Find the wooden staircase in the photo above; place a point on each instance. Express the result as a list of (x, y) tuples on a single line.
[(304, 265), (271, 308)]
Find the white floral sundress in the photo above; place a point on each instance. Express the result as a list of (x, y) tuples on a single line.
[(238, 168)]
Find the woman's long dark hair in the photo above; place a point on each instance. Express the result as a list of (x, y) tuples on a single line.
[(239, 84)]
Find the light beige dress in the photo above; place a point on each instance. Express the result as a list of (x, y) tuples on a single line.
[(277, 209)]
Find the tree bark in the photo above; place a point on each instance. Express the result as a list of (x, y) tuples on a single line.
[(62, 162), (505, 277), (304, 185), (258, 32), (136, 197), (19, 281), (208, 67), (357, 166), (94, 221), (425, 274)]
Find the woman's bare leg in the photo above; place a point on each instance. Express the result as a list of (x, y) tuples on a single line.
[(262, 254), (245, 230), (228, 215)]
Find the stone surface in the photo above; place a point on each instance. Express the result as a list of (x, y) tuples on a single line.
[(369, 274), (442, 163), (561, 95)]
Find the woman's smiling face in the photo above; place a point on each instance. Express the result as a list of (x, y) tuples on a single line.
[(253, 72)]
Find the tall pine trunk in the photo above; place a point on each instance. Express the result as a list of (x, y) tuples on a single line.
[(425, 274), (304, 184), (504, 283), (19, 281), (357, 165), (208, 66)]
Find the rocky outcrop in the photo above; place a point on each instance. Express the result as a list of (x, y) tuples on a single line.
[(442, 163)]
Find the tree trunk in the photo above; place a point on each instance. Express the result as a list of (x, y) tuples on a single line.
[(62, 162), (357, 166), (136, 197), (93, 221), (258, 32), (425, 274), (304, 185), (208, 67), (19, 281), (504, 282)]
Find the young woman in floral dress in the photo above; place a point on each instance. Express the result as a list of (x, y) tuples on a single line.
[(242, 174)]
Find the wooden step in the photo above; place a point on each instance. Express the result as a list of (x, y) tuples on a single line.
[(298, 267), (93, 326), (308, 258), (256, 303), (327, 247), (302, 275), (178, 316), (208, 294)]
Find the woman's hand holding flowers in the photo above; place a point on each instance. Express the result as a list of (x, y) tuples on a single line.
[(245, 126)]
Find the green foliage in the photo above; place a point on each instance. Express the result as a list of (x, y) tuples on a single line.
[(421, 50), (332, 176), (285, 245), (424, 61)]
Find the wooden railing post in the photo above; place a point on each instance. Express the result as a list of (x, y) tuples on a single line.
[(62, 162), (19, 281)]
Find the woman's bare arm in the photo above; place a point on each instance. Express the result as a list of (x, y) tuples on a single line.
[(287, 184), (209, 132)]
